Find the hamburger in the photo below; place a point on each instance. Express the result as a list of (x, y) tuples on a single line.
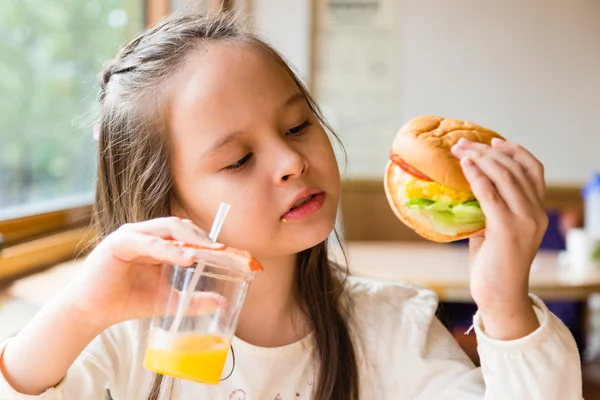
[(424, 182)]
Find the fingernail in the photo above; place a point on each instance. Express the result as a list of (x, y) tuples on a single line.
[(497, 141), (194, 227), (216, 300), (188, 253), (467, 162), (458, 147), (223, 303), (197, 230), (464, 142)]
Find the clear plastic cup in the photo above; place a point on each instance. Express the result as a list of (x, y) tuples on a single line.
[(192, 330)]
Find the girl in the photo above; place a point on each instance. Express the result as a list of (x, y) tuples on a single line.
[(196, 111)]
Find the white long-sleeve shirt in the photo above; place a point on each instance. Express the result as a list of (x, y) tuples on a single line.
[(403, 352)]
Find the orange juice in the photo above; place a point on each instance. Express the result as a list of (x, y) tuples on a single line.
[(194, 357)]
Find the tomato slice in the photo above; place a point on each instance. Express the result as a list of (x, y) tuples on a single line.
[(408, 169)]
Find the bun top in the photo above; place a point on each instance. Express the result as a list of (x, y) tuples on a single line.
[(425, 142)]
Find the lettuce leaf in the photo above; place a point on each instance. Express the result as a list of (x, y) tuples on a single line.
[(467, 213)]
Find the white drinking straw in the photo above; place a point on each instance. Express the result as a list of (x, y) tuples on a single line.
[(191, 288)]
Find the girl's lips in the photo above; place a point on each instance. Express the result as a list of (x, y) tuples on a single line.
[(314, 204)]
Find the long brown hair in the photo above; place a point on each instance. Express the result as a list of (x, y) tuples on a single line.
[(135, 184)]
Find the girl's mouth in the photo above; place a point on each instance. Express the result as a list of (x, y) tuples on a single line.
[(305, 207)]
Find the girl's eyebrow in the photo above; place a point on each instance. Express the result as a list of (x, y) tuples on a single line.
[(220, 143), (293, 99)]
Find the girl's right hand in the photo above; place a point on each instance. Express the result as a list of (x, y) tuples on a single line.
[(120, 277)]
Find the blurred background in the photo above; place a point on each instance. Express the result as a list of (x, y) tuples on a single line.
[(529, 70)]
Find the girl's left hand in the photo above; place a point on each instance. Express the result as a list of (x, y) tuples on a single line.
[(508, 182)]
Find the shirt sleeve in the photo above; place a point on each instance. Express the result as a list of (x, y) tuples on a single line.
[(543, 365), (99, 367), (407, 353)]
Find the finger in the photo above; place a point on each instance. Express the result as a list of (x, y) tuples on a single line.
[(534, 169), (486, 194), (130, 246), (174, 228), (201, 303), (506, 184), (195, 228), (466, 148)]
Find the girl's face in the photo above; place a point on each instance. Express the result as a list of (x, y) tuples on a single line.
[(242, 133)]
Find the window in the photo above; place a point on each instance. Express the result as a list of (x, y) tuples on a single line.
[(357, 78), (50, 55)]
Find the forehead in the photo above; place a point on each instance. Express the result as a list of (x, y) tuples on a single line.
[(229, 82)]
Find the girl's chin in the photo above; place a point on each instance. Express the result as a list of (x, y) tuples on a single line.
[(308, 238), (291, 237)]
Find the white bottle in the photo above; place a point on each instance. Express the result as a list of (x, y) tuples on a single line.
[(591, 198)]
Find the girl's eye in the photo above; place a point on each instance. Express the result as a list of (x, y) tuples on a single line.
[(297, 130), (239, 164)]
